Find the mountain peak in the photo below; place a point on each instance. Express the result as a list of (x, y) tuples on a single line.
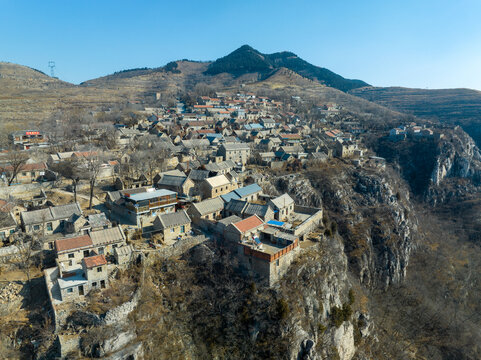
[(246, 59)]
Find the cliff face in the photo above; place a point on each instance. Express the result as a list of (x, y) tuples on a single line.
[(457, 170), (371, 211)]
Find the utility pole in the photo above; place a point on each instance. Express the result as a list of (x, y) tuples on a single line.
[(51, 65)]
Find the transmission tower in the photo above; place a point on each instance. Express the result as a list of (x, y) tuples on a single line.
[(51, 65)]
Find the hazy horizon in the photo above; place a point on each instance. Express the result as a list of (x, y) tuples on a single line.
[(428, 45)]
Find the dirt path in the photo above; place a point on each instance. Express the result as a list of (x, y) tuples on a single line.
[(95, 200)]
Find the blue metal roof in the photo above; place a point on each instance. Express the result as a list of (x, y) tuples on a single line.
[(248, 190), (230, 196)]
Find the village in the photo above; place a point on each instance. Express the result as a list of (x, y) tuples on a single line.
[(170, 179)]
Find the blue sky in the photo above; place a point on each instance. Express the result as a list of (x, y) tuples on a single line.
[(423, 43)]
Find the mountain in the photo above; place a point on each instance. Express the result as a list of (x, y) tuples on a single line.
[(13, 76), (452, 106), (248, 60)]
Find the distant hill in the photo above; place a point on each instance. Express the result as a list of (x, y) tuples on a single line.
[(248, 60), (453, 106), (23, 77)]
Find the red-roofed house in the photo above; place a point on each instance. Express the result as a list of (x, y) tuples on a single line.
[(244, 229), (71, 251), (95, 270)]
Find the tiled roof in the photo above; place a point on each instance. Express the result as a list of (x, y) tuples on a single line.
[(7, 220), (209, 206), (107, 236), (73, 243), (172, 219), (52, 213), (94, 261), (249, 223), (171, 180)]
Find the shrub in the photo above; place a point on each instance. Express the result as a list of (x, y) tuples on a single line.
[(282, 309), (334, 227), (340, 314), (351, 296)]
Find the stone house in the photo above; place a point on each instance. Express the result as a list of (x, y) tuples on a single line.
[(268, 256), (237, 152), (216, 186), (180, 184), (96, 272), (93, 274), (345, 149), (8, 226), (210, 209), (50, 220), (71, 250), (136, 205), (283, 207), (173, 225), (243, 230), (28, 172)]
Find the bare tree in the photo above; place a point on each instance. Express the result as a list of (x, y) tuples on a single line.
[(70, 170), (92, 163), (15, 163), (27, 245)]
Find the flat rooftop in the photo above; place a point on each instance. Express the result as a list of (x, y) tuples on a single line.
[(75, 279)]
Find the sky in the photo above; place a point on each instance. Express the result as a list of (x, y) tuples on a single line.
[(411, 43)]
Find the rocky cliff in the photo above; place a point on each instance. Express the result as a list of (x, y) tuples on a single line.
[(371, 211)]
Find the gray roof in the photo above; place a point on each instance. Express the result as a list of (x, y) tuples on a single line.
[(171, 180), (209, 206), (61, 212), (107, 236), (236, 146), (195, 142), (236, 206), (256, 209), (223, 165), (7, 220), (230, 220), (123, 250), (172, 219), (199, 175), (282, 201)]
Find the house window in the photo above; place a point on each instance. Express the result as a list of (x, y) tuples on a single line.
[(277, 262), (32, 174), (70, 290), (2, 235), (182, 229), (36, 227), (50, 245), (24, 174), (172, 230), (49, 226), (101, 250), (94, 284), (12, 231), (71, 255), (86, 253), (99, 269)]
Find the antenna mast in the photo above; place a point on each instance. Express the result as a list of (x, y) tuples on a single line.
[(51, 65)]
